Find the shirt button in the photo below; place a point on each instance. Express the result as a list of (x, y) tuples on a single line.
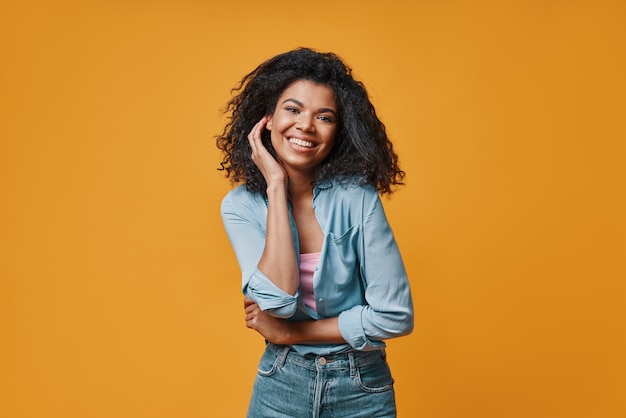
[(320, 300), (322, 361)]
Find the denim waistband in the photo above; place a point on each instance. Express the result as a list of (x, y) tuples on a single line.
[(347, 360)]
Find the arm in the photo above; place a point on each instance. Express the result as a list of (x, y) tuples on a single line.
[(388, 311), (278, 260), (243, 215), (261, 237), (280, 331)]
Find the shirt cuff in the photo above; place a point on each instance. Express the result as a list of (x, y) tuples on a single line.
[(351, 329), (270, 297)]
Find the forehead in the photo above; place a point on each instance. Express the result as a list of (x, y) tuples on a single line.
[(309, 93)]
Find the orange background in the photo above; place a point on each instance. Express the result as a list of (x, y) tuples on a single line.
[(119, 292)]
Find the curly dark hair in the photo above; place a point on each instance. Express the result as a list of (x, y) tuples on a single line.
[(362, 149)]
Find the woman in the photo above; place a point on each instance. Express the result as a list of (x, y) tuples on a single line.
[(323, 279)]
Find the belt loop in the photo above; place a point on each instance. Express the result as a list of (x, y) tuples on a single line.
[(283, 356), (352, 364)]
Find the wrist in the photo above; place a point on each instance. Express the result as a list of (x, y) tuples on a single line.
[(276, 189), (292, 333)]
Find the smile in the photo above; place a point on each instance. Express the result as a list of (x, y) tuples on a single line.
[(301, 142)]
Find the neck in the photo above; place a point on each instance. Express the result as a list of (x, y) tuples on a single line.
[(299, 186)]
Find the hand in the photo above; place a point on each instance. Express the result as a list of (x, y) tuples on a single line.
[(273, 329), (272, 171)]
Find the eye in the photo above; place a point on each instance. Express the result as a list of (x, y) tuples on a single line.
[(291, 109), (326, 119)]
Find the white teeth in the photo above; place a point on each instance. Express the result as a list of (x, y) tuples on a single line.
[(301, 142)]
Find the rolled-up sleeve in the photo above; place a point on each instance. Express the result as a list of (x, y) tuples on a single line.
[(245, 229), (388, 311)]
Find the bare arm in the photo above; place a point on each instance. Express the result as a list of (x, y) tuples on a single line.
[(280, 331), (278, 261)]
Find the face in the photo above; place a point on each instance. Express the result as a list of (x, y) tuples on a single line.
[(303, 126)]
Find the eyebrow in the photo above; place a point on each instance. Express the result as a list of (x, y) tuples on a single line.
[(320, 110)]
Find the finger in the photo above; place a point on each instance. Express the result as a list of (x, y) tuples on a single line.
[(257, 137), (252, 308), (247, 302), (251, 320), (251, 140), (254, 136)]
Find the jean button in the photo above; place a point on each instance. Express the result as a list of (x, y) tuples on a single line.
[(322, 361)]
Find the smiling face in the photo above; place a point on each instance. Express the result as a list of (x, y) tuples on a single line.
[(303, 126)]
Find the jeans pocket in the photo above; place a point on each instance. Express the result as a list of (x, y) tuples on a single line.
[(268, 363), (374, 377)]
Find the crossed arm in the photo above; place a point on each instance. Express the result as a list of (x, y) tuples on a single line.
[(281, 331)]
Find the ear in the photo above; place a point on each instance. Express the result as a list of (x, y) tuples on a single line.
[(268, 125)]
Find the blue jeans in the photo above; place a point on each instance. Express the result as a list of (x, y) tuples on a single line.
[(354, 384)]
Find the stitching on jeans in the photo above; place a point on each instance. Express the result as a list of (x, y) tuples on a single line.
[(283, 356), (352, 364)]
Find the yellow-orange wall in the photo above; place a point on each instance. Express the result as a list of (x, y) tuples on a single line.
[(119, 292)]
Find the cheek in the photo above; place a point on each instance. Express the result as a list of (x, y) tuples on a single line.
[(275, 139), (330, 145), (332, 137)]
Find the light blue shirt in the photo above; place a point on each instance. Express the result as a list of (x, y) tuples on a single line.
[(360, 277)]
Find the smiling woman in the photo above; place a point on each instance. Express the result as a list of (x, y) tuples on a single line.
[(309, 231)]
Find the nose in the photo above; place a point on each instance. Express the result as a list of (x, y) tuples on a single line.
[(305, 123)]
